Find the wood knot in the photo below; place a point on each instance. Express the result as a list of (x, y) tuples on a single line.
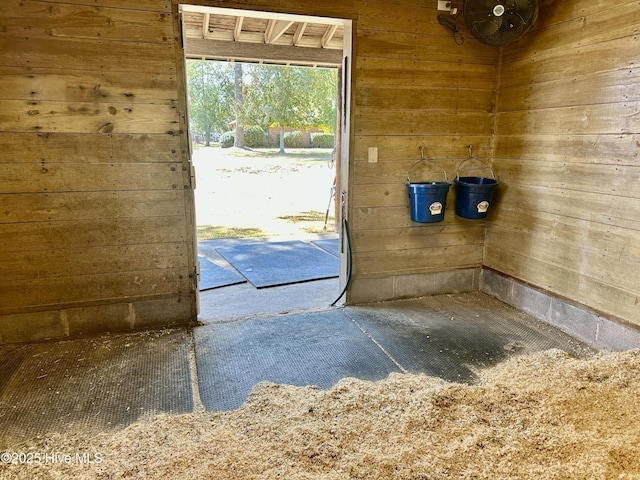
[(106, 128)]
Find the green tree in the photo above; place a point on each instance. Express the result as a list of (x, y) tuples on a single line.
[(297, 97), (211, 96), (323, 86)]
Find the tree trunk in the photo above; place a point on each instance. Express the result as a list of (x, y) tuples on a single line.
[(239, 137)]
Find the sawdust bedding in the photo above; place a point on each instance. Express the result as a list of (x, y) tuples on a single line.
[(544, 415)]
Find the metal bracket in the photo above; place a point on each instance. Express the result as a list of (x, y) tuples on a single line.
[(447, 6)]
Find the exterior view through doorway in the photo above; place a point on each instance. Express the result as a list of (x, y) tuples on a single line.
[(268, 197)]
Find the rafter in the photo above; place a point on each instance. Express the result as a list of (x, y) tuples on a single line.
[(263, 28), (328, 35), (275, 29), (302, 26), (205, 25), (238, 29)]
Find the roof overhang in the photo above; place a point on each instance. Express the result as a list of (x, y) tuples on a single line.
[(261, 37)]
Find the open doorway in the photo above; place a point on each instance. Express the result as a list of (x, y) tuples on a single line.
[(267, 203)]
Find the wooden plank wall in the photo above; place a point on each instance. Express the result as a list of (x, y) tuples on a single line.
[(94, 184), (95, 207), (567, 153), (414, 87), (95, 204)]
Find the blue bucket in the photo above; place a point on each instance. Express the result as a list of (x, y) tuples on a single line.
[(428, 201), (473, 196)]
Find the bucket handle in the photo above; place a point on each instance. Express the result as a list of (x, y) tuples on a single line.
[(423, 159), (471, 157)]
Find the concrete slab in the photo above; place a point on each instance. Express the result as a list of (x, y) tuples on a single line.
[(237, 302), (245, 301), (580, 323), (588, 326), (615, 337)]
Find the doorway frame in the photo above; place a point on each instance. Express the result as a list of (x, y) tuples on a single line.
[(344, 128)]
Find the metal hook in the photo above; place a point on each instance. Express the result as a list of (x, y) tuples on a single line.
[(424, 159), (471, 157)]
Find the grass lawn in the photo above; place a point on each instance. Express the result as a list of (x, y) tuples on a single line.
[(261, 192)]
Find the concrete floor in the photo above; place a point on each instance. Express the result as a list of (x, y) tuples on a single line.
[(245, 301), (98, 384)]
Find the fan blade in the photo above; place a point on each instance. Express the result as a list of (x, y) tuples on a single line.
[(488, 27), (521, 8), (499, 22), (481, 8), (488, 4), (524, 10)]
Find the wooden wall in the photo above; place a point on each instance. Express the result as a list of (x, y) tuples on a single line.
[(95, 203), (95, 222), (414, 87), (96, 207), (567, 152)]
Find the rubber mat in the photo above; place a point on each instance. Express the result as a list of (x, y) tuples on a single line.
[(453, 336), (91, 385), (267, 264), (330, 245), (304, 349), (215, 276)]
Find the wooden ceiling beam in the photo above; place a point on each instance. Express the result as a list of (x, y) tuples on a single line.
[(205, 25), (302, 26), (275, 29), (238, 28), (328, 35), (259, 14), (257, 52)]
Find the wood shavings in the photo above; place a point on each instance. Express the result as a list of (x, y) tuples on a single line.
[(544, 415)]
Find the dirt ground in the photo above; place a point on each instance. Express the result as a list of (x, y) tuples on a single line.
[(262, 193), (541, 416)]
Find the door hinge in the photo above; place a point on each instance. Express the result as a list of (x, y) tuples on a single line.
[(192, 171)]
